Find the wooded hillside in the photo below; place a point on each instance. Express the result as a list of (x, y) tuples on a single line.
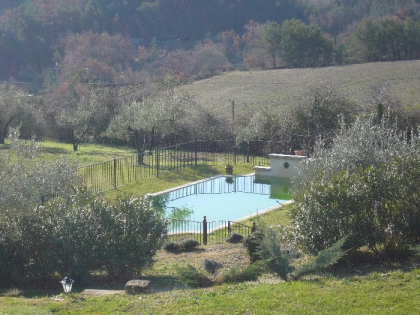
[(44, 43)]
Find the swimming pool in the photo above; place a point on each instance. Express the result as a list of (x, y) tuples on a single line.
[(226, 198)]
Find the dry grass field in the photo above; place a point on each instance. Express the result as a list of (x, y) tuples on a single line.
[(277, 89)]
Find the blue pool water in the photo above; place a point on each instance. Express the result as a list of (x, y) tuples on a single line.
[(225, 198)]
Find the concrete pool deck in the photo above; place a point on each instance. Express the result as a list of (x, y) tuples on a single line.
[(281, 166)]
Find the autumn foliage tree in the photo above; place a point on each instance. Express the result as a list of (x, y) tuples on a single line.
[(95, 58)]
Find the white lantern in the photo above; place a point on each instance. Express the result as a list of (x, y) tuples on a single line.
[(67, 284)]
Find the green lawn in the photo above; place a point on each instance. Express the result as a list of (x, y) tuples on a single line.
[(86, 154), (395, 292)]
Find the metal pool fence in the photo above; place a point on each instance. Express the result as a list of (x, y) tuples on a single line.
[(122, 171), (206, 232)]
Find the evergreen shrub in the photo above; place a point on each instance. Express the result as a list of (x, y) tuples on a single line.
[(251, 244), (189, 275), (364, 187), (211, 265), (237, 274)]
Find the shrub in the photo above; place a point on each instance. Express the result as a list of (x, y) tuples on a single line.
[(128, 233), (190, 276), (172, 247), (189, 244), (250, 273), (184, 245), (378, 208), (363, 144), (364, 188), (269, 249), (80, 236), (324, 259), (211, 265), (251, 243), (234, 238)]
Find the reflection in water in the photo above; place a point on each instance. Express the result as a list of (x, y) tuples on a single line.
[(222, 198)]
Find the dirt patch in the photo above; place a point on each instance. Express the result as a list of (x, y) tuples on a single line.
[(95, 292), (227, 254), (163, 274)]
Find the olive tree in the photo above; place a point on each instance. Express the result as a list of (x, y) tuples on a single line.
[(26, 180), (161, 116), (77, 110), (318, 114), (14, 106)]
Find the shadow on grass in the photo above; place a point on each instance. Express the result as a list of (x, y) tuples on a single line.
[(55, 151), (52, 287), (178, 252), (361, 264)]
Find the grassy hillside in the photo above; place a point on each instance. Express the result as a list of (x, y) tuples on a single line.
[(279, 88)]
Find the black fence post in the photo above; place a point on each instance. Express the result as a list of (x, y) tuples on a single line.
[(229, 228), (234, 151), (195, 152), (254, 227), (204, 231)]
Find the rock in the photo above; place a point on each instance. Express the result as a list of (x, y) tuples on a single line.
[(137, 287)]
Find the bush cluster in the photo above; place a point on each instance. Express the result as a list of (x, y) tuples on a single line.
[(77, 237), (185, 245), (365, 188), (377, 207)]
